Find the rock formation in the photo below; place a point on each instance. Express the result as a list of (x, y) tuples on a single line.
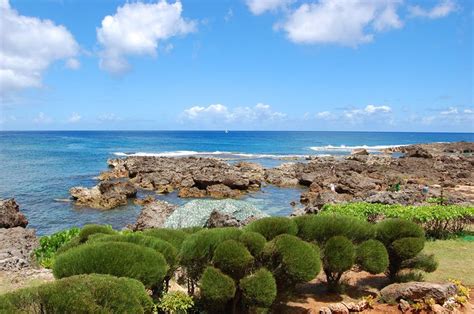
[(10, 215)]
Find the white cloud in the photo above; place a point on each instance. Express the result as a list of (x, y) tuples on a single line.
[(357, 115), (469, 111), (442, 9), (370, 109), (41, 118), (109, 117), (218, 113), (75, 117), (28, 47), (258, 7), (344, 22), (449, 111), (228, 16), (73, 64), (136, 29), (324, 115)]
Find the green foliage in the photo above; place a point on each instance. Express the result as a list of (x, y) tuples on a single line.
[(48, 245), (169, 251), (255, 242), (292, 260), (176, 302), (438, 221), (232, 258), (88, 230), (271, 227), (216, 288), (80, 294), (320, 228), (404, 241), (114, 258), (259, 289), (173, 236), (372, 256), (338, 257)]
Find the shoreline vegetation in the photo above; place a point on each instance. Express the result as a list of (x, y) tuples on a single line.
[(369, 229)]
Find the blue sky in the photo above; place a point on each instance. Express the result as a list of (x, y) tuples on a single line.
[(369, 65)]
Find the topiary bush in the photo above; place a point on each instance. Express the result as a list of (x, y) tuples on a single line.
[(404, 241), (114, 258), (173, 236), (88, 230), (217, 289), (270, 227), (292, 260), (80, 294), (372, 256), (232, 258), (259, 289), (320, 228), (339, 256), (255, 242)]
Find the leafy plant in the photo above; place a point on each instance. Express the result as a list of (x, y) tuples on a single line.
[(49, 245), (176, 302)]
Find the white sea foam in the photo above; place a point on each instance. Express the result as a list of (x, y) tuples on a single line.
[(344, 148)]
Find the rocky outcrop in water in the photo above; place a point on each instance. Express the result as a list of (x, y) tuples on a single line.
[(10, 215), (105, 195)]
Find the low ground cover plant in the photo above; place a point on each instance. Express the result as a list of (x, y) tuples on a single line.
[(437, 220), (49, 245), (80, 294)]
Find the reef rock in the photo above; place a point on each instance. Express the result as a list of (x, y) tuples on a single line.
[(16, 246), (10, 215), (105, 195), (412, 291), (153, 215)]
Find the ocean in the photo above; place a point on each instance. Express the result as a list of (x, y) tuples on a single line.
[(39, 168)]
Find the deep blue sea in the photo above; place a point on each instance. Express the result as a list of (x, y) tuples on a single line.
[(38, 168)]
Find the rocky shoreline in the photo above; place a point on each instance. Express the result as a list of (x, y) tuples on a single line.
[(421, 172)]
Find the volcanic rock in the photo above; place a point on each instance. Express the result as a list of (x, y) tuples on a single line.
[(10, 215), (105, 195), (412, 291), (153, 215), (16, 246)]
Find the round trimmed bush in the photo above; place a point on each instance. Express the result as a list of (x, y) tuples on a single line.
[(390, 230), (114, 258), (259, 289), (322, 227), (292, 260), (232, 258), (169, 251), (173, 236), (255, 242), (216, 287), (372, 256), (88, 230), (270, 227), (339, 255), (80, 294), (407, 248)]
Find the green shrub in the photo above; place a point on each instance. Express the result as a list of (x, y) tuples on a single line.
[(114, 258), (372, 256), (438, 221), (48, 245), (321, 228), (259, 289), (292, 260), (255, 242), (270, 227), (88, 230), (404, 241), (339, 256), (216, 288), (80, 294), (173, 236), (232, 258), (69, 245), (176, 302), (169, 251)]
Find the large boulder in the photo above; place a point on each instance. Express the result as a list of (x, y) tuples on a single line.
[(153, 215), (16, 247), (105, 195), (201, 213), (412, 291), (10, 215)]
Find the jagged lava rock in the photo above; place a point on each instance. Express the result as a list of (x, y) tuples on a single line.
[(412, 291), (153, 215), (10, 215)]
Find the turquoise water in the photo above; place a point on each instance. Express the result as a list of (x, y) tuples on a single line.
[(38, 168)]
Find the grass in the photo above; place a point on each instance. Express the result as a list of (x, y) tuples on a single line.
[(455, 258)]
